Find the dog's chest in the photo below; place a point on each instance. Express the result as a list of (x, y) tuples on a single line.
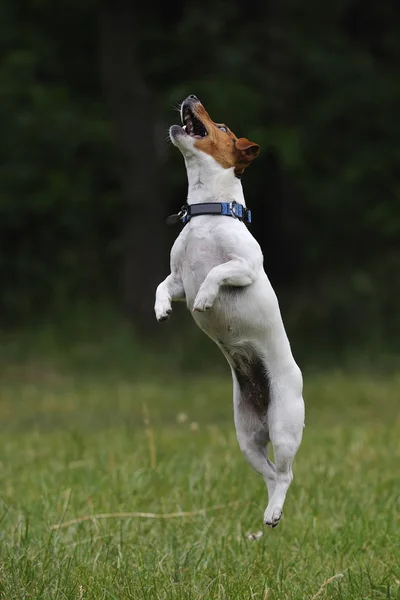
[(207, 242), (204, 251)]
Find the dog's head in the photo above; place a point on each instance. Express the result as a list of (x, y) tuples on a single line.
[(199, 134)]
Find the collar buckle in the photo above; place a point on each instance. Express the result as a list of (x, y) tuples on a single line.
[(180, 216), (234, 209)]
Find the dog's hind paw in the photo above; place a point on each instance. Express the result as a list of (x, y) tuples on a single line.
[(272, 516)]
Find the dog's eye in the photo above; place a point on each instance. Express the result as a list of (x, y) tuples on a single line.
[(223, 128)]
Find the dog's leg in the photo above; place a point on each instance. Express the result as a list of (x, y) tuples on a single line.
[(234, 272), (285, 424), (255, 449), (171, 289), (252, 435)]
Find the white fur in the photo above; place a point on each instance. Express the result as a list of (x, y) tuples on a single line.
[(216, 251)]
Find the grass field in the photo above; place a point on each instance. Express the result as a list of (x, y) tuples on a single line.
[(79, 455)]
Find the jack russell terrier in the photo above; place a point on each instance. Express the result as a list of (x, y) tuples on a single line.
[(217, 267)]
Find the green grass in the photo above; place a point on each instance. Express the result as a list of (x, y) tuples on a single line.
[(75, 446)]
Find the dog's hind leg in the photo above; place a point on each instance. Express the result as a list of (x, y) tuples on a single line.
[(285, 425), (253, 442), (250, 400)]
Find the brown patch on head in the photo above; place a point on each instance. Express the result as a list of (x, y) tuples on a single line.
[(228, 150)]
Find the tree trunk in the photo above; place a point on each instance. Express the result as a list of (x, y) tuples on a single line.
[(130, 100)]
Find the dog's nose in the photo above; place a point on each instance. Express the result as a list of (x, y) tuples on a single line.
[(191, 101)]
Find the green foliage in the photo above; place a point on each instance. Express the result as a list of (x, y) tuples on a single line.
[(57, 198), (316, 86)]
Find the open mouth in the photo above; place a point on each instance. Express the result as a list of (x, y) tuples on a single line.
[(192, 125)]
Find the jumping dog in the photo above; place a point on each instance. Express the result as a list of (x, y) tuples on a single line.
[(217, 268)]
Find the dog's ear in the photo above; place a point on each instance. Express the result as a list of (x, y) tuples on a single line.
[(248, 150)]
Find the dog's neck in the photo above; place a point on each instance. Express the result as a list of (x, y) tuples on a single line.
[(210, 182)]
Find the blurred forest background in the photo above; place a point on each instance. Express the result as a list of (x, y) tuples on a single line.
[(87, 93)]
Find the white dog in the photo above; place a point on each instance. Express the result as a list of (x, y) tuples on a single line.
[(217, 267)]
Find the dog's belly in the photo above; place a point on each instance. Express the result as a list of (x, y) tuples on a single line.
[(239, 326), (250, 315), (239, 313), (229, 318)]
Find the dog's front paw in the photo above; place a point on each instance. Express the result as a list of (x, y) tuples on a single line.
[(163, 309), (204, 300)]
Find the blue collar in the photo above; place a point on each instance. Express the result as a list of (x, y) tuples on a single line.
[(229, 209)]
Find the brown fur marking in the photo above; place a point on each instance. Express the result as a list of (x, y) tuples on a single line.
[(228, 150)]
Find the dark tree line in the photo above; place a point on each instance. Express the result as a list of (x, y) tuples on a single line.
[(86, 177)]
